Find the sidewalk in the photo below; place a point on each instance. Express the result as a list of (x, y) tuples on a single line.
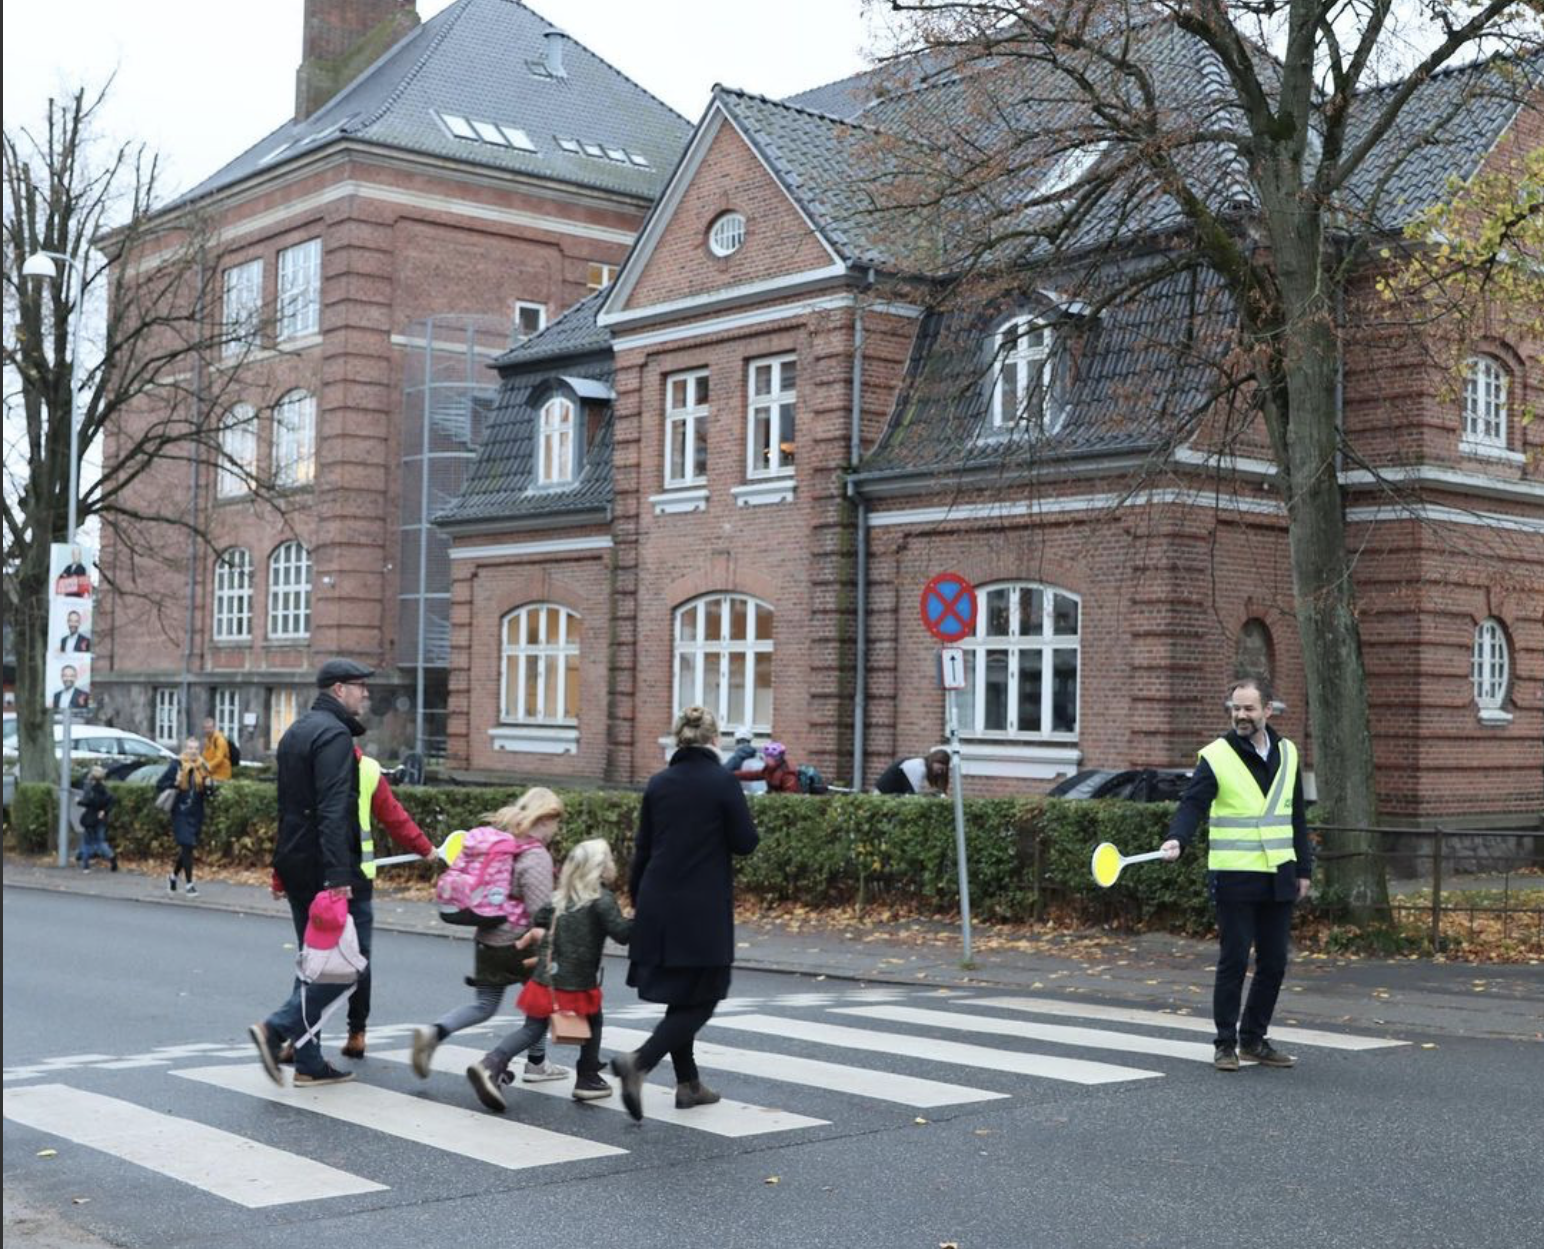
[(1156, 971)]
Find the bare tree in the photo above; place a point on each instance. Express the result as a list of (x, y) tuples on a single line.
[(1099, 148), (146, 393)]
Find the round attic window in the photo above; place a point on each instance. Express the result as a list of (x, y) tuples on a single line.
[(726, 234)]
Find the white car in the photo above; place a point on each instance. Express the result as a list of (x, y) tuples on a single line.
[(114, 749)]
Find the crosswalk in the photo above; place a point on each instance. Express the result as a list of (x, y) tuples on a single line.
[(790, 1066)]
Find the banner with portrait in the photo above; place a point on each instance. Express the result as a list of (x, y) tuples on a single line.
[(71, 606)]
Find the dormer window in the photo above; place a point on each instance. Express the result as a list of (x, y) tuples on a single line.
[(555, 443), (726, 234), (1024, 392)]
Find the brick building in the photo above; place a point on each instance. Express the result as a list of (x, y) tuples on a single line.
[(480, 164), (726, 478)]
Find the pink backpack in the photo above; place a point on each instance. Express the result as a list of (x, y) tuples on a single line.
[(475, 890)]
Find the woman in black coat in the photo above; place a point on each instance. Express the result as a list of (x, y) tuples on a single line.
[(189, 778), (692, 820)]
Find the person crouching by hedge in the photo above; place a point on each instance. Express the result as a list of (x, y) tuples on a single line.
[(925, 774), (95, 802), (189, 777)]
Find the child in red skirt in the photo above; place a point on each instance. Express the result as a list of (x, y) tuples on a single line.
[(574, 926)]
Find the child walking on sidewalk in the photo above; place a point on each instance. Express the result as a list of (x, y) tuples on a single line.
[(582, 914), (500, 958)]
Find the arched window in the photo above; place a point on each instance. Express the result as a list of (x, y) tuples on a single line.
[(555, 443), (1021, 667), (294, 440), (1490, 668), (289, 592), (540, 679), (1256, 652), (1485, 403), (233, 596), (238, 451), (1024, 391), (723, 659)]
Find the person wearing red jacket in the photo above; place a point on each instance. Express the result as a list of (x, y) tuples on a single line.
[(386, 812), (780, 778)]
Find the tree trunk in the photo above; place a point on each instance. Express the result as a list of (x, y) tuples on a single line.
[(1327, 624), (29, 618)]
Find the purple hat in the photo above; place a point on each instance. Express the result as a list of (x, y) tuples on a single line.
[(773, 750)]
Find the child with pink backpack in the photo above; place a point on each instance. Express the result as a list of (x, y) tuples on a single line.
[(501, 878)]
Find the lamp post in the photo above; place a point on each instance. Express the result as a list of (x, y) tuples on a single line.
[(41, 265)]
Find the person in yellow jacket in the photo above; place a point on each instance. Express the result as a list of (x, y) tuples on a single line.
[(216, 751), (1248, 786)]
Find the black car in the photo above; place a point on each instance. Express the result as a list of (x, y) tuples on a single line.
[(1132, 784)]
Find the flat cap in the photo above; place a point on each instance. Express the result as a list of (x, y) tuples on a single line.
[(336, 670)]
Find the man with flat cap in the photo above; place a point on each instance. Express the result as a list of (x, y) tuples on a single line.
[(318, 846)]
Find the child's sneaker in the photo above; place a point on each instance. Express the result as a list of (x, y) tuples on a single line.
[(191, 891), (327, 1075), (425, 1042), (171, 883), (535, 1073), (484, 1077), (589, 1087)]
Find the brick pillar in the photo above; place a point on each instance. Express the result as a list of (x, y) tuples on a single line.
[(342, 39)]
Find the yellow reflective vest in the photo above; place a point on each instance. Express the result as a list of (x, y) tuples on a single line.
[(369, 778), (1248, 831)]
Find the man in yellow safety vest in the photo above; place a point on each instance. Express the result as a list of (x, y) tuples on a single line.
[(1249, 788)]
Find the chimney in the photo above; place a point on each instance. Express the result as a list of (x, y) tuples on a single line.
[(342, 39), (553, 62)]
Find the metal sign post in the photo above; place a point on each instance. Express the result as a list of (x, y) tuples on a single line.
[(948, 609)]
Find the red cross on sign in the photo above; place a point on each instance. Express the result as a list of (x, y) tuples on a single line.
[(949, 607)]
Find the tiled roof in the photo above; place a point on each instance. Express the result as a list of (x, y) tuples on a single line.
[(473, 60), (573, 333), (1134, 378)]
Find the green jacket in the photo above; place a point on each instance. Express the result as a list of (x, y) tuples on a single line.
[(578, 940)]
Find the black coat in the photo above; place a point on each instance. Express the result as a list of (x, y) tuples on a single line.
[(318, 844), (187, 808), (692, 819), (95, 802)]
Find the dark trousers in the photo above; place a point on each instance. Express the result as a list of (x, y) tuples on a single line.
[(1242, 923), (363, 912), (184, 863), (674, 1035)]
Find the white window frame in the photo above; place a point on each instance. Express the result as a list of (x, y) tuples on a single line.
[(1018, 360), (1015, 643), (289, 593), (227, 711), (597, 269), (769, 407), (168, 716), (686, 414), (294, 440), (693, 657), (1490, 668), (556, 432), (300, 290), (549, 658), (1486, 386), (283, 711), (243, 306), (727, 234), (238, 452), (521, 307), (233, 596)]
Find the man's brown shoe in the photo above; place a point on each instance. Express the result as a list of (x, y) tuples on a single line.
[(1266, 1054), (356, 1045), (694, 1093), (1224, 1056)]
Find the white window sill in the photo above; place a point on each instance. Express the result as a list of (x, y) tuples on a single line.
[(1494, 717), (1019, 761), (770, 490), (298, 342), (1490, 451), (685, 499), (535, 739)]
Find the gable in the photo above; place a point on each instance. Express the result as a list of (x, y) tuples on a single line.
[(779, 241)]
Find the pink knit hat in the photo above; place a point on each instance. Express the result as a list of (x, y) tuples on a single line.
[(773, 750), (329, 915)]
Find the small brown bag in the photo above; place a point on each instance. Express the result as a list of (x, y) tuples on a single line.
[(563, 1026)]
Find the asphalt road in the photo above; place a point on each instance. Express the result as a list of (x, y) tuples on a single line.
[(1429, 1143)]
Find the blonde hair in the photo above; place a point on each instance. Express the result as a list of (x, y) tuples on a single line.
[(98, 773), (696, 726), (525, 814), (584, 872)]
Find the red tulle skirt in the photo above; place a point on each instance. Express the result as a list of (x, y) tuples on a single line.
[(535, 1000)]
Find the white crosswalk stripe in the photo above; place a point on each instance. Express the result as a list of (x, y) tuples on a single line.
[(244, 1171), (1187, 1023), (454, 1129), (1051, 1067), (724, 1118)]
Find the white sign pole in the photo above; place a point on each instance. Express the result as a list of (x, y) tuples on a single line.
[(959, 817)]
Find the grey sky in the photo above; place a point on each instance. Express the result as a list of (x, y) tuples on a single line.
[(200, 85)]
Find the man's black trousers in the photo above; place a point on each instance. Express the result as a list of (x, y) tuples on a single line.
[(1245, 918)]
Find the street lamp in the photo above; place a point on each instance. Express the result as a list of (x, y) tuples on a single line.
[(41, 265)]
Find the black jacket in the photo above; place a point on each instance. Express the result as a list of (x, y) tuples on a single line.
[(318, 845), (692, 819), (1196, 805), (95, 802)]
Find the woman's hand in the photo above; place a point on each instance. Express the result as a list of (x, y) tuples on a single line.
[(530, 939)]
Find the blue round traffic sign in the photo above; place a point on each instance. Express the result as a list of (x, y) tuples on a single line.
[(949, 607)]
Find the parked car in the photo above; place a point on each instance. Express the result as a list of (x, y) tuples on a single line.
[(1132, 784), (116, 750)]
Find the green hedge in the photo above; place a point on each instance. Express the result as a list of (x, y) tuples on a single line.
[(1024, 852)]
